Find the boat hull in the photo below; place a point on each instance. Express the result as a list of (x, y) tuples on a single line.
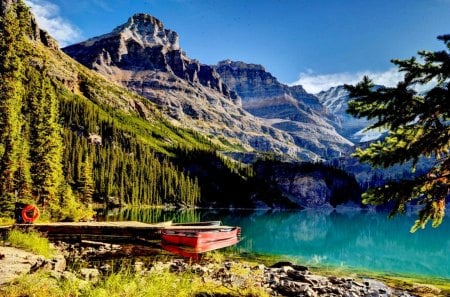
[(192, 252), (198, 237)]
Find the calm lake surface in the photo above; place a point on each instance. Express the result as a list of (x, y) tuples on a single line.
[(356, 239)]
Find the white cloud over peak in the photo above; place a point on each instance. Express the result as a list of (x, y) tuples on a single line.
[(48, 18), (314, 82)]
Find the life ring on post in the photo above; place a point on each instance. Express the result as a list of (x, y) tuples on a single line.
[(30, 213)]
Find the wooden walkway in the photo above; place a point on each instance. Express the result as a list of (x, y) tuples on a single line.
[(104, 231)]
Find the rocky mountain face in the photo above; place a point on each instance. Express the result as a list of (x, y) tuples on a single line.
[(336, 100), (146, 58), (36, 33), (310, 185), (289, 108)]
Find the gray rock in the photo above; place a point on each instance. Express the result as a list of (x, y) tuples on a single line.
[(58, 263), (90, 274)]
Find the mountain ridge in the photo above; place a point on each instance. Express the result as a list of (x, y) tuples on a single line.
[(264, 115), (289, 108), (191, 93)]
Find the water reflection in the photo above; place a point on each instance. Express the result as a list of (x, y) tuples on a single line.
[(150, 215), (365, 240)]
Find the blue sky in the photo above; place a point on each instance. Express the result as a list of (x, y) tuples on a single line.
[(317, 43)]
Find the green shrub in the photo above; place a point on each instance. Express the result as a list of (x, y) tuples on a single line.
[(40, 284), (31, 241), (5, 221)]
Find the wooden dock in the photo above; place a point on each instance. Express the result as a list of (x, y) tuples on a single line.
[(102, 231)]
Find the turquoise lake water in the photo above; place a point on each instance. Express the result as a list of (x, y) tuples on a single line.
[(356, 239)]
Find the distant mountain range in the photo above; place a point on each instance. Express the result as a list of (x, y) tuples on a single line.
[(232, 101)]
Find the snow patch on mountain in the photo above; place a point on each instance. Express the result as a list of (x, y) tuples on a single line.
[(336, 101)]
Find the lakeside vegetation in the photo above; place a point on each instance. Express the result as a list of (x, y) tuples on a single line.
[(31, 241), (160, 281), (126, 283)]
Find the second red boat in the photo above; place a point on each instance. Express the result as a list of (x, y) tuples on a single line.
[(197, 236)]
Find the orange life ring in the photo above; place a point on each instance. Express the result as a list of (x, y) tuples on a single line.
[(27, 210)]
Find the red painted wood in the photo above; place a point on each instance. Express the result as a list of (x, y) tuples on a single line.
[(195, 237), (192, 252)]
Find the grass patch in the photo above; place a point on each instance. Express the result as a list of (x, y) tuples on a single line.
[(156, 284), (31, 241), (125, 283), (41, 284), (6, 221)]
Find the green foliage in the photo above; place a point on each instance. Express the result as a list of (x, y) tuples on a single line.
[(30, 241), (86, 184), (417, 125), (6, 221), (31, 141), (158, 283), (71, 209), (154, 215), (118, 166), (43, 285), (224, 182), (46, 142), (126, 283)]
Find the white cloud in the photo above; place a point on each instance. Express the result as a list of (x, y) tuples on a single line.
[(48, 18), (314, 83), (103, 5)]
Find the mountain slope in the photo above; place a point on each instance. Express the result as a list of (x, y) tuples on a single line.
[(287, 108), (144, 57)]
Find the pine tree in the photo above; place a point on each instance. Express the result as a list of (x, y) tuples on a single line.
[(86, 183), (23, 174), (418, 126)]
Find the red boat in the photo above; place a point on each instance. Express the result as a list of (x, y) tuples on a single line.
[(198, 236), (192, 252)]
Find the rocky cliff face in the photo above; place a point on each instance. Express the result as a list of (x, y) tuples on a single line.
[(36, 33), (310, 185), (336, 101), (289, 108), (146, 58)]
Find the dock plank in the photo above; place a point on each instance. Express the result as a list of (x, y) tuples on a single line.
[(91, 230)]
